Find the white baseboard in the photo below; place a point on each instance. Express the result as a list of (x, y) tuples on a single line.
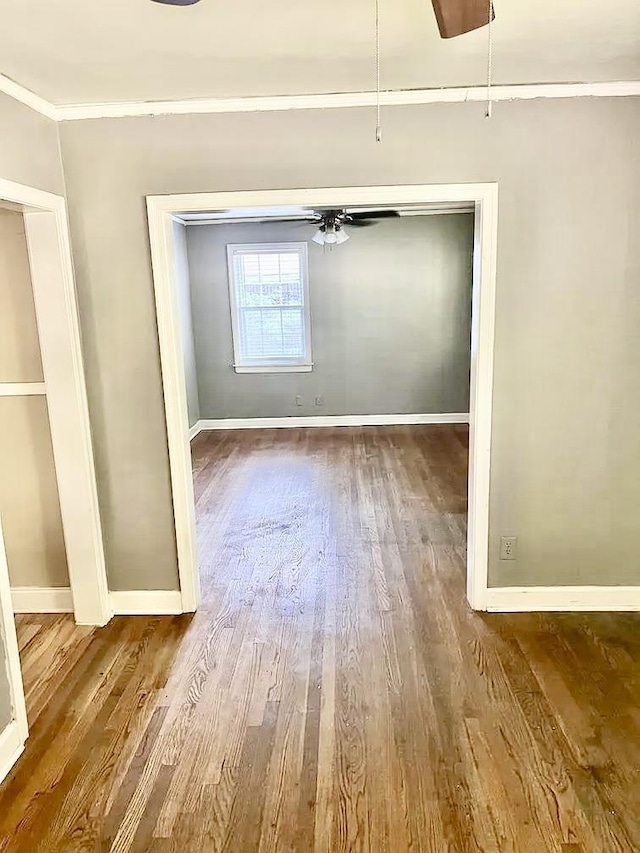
[(146, 602), (11, 748), (328, 421), (562, 598), (42, 599), (34, 599)]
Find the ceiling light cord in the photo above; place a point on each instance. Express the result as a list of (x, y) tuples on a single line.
[(378, 120), (489, 60)]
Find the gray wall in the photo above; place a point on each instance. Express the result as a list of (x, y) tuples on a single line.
[(566, 417), (186, 322), (20, 359), (390, 319), (29, 502), (29, 154)]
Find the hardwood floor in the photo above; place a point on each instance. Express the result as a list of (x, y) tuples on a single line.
[(334, 692)]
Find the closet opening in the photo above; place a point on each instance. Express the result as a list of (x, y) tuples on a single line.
[(52, 572)]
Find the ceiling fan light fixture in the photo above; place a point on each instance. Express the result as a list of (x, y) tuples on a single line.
[(331, 228), (177, 2)]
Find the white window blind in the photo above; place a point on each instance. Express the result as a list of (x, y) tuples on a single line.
[(268, 287)]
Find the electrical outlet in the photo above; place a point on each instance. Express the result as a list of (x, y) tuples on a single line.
[(508, 547), (319, 401), (298, 400)]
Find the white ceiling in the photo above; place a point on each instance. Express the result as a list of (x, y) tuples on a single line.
[(82, 51)]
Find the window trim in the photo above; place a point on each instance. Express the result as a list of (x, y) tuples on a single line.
[(292, 364)]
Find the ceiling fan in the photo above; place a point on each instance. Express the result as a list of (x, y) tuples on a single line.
[(454, 17), (331, 224)]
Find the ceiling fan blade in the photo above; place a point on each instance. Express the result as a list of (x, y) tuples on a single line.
[(456, 17), (363, 219), (377, 214)]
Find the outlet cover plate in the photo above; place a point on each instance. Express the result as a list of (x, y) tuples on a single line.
[(508, 547)]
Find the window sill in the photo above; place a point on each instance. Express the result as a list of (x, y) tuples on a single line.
[(276, 368)]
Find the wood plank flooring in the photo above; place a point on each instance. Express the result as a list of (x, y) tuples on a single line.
[(334, 692)]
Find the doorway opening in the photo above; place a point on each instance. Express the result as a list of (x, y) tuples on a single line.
[(481, 199), (355, 323)]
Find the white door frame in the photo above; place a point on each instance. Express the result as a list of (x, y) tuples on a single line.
[(14, 735), (483, 196), (54, 292)]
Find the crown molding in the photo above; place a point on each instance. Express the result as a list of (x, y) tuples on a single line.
[(344, 100), (335, 100), (27, 97)]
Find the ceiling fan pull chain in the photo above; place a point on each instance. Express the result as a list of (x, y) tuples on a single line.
[(489, 60), (378, 120)]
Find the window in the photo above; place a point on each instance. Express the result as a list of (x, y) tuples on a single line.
[(269, 295)]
